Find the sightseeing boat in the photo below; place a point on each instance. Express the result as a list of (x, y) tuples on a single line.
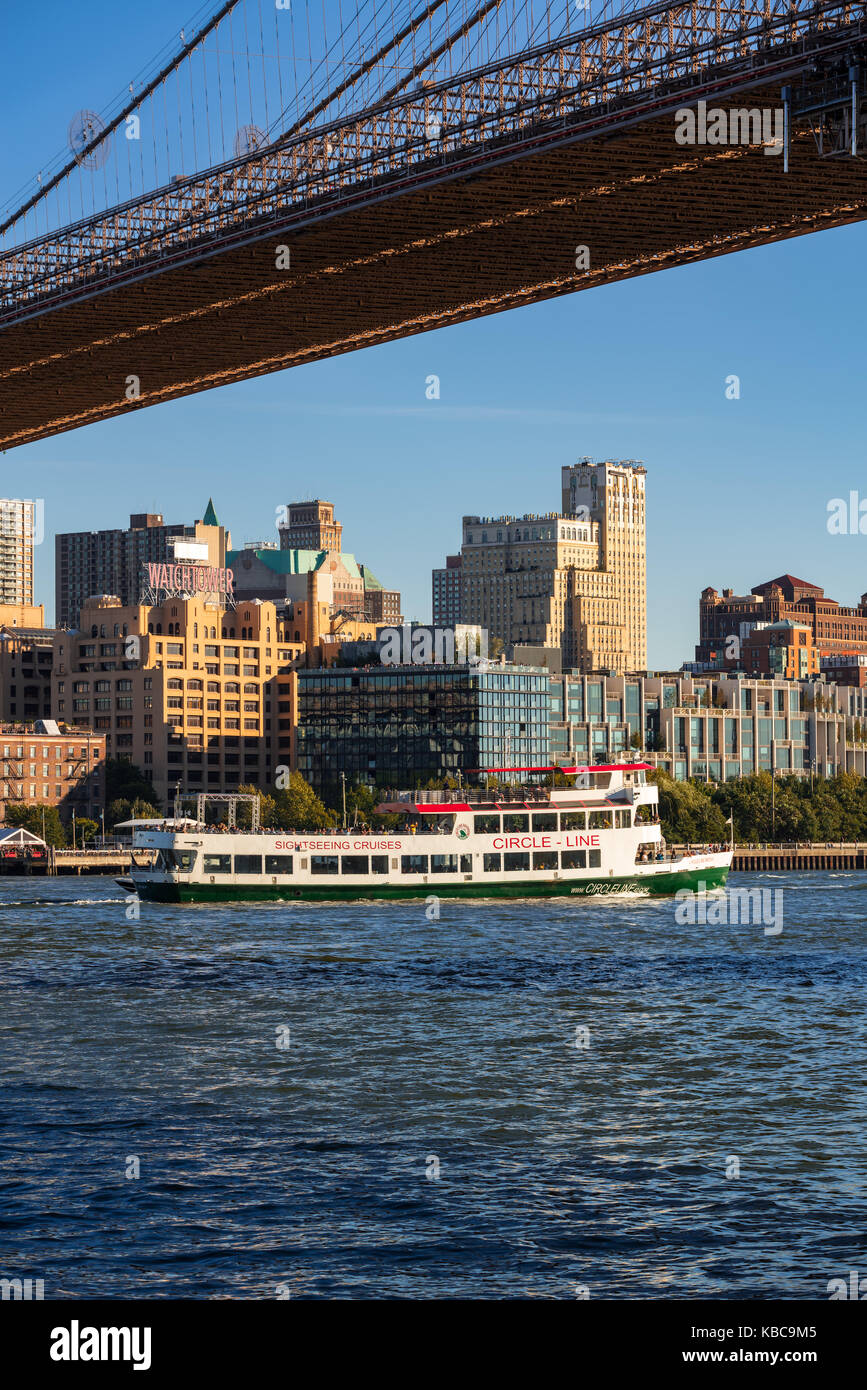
[(601, 836)]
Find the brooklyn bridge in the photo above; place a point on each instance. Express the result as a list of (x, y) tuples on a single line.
[(269, 193)]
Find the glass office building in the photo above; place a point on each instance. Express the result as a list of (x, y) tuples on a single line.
[(710, 727), (399, 726)]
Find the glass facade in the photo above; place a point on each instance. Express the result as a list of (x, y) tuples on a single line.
[(714, 729), (399, 726)]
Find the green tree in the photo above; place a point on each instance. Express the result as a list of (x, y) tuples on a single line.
[(268, 818), (123, 780), (687, 812), (122, 809), (31, 818), (299, 808), (85, 831), (116, 811)]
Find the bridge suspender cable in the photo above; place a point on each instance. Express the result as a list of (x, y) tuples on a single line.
[(361, 71), (128, 109), (475, 18)]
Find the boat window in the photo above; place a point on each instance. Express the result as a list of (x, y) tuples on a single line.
[(516, 822), (573, 859), (492, 863), (547, 859), (413, 863), (486, 825), (379, 863), (466, 863), (184, 860), (573, 820), (354, 864), (623, 819), (218, 863), (444, 863), (248, 863), (324, 863), (601, 820), (595, 859), (648, 852), (278, 863), (516, 861), (544, 820)]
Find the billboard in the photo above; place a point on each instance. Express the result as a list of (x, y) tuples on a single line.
[(162, 581)]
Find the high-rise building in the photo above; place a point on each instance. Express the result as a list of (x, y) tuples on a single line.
[(92, 563), (573, 580), (446, 593), (311, 540), (612, 496), (310, 526), (16, 550)]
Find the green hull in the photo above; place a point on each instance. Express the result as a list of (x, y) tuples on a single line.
[(658, 885)]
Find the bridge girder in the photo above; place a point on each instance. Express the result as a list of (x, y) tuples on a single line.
[(440, 248)]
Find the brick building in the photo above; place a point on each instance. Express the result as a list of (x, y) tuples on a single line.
[(192, 691), (43, 764), (782, 649), (726, 619), (110, 562)]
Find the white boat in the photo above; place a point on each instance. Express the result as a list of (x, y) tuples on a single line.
[(601, 836)]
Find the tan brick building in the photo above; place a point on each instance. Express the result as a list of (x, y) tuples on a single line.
[(25, 662), (573, 580), (191, 691)]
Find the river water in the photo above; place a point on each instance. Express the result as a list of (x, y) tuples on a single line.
[(515, 1100)]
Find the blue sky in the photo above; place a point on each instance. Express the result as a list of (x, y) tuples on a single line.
[(737, 490)]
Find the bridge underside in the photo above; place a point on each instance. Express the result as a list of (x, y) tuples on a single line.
[(455, 251)]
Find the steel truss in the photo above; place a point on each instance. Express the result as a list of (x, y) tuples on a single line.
[(603, 79)]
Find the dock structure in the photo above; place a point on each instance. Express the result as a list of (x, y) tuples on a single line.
[(752, 858), (821, 855), (88, 861)]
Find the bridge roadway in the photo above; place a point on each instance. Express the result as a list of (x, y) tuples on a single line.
[(465, 200)]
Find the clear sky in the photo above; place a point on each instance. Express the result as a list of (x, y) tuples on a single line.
[(737, 490)]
